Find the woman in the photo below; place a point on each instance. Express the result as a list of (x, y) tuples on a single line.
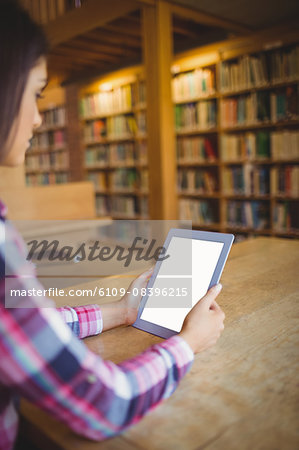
[(41, 358)]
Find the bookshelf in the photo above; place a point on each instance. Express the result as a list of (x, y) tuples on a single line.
[(195, 96), (113, 115), (47, 160), (237, 140)]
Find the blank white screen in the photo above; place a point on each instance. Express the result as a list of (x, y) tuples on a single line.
[(204, 256)]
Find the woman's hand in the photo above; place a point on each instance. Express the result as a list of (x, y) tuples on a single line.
[(129, 302), (204, 323)]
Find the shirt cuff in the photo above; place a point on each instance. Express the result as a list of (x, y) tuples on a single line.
[(181, 351), (83, 320)]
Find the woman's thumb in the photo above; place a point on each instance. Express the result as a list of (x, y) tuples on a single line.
[(212, 294)]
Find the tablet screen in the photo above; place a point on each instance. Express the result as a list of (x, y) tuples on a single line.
[(182, 280)]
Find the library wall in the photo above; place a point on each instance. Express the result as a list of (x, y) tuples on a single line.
[(236, 115), (47, 161), (237, 123), (113, 122)]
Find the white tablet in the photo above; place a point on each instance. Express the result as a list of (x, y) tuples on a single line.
[(192, 263)]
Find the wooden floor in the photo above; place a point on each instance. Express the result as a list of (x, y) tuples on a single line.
[(241, 394)]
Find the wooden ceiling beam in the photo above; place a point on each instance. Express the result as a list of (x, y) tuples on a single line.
[(208, 19), (111, 38), (133, 19), (133, 32), (93, 14), (81, 60), (177, 29), (60, 64), (125, 24), (93, 47), (75, 54), (78, 63), (147, 2), (70, 65), (273, 37), (85, 74)]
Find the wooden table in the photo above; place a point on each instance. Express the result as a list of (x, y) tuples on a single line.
[(241, 394)]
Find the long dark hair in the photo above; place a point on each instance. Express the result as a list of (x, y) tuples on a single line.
[(22, 43)]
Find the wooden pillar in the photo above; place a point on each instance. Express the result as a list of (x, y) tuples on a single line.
[(74, 138), (157, 53)]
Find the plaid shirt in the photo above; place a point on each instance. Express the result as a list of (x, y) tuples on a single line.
[(43, 360)]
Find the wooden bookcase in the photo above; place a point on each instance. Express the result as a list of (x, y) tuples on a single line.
[(237, 140), (236, 131), (113, 116), (195, 97), (47, 161)]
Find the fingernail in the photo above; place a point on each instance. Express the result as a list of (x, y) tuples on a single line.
[(218, 287)]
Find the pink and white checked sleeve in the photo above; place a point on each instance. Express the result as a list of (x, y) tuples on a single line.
[(83, 320)]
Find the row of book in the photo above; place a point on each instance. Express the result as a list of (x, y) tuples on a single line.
[(284, 105), (97, 155), (284, 145), (114, 154), (143, 207), (123, 126), (102, 207), (102, 103), (129, 179), (99, 179), (95, 130), (246, 180), (259, 70), (285, 181), (195, 149), (200, 212), (286, 217), (141, 122), (278, 145), (120, 180), (54, 117), (124, 179), (119, 126), (124, 152), (50, 139), (239, 214), (47, 161), (196, 181), (46, 178), (243, 73), (141, 98), (245, 146), (247, 214), (141, 147), (284, 65), (240, 111), (196, 116), (260, 107), (193, 84), (143, 180), (122, 206)]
